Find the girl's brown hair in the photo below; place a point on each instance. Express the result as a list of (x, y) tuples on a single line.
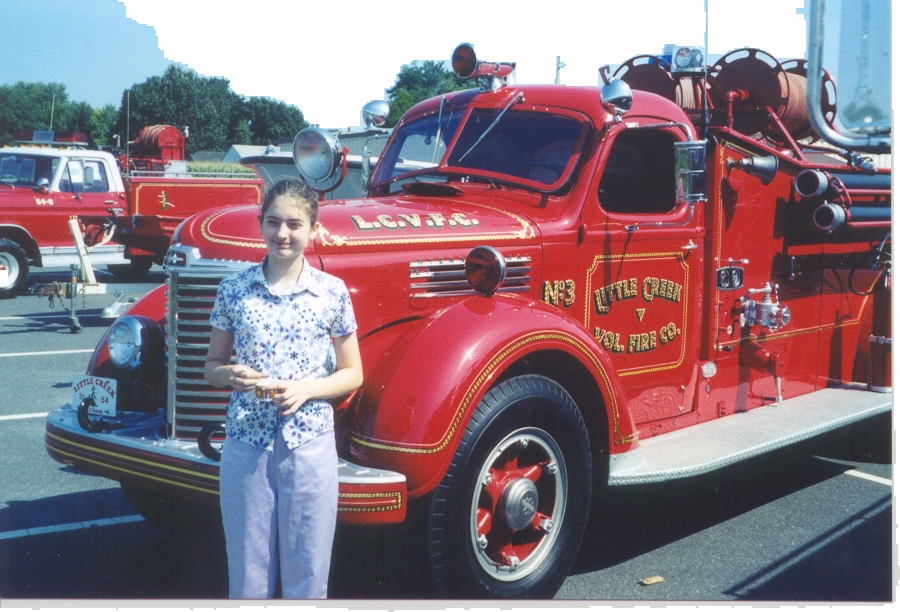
[(299, 193)]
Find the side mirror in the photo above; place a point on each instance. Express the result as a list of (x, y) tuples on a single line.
[(616, 97), (856, 36), (375, 113), (690, 171), (43, 184), (88, 178)]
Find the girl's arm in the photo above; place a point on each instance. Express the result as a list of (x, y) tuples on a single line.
[(220, 372), (345, 379)]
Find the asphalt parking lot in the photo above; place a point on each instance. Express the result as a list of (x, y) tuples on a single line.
[(814, 522)]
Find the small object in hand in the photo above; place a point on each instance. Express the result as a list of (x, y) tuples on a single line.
[(264, 390)]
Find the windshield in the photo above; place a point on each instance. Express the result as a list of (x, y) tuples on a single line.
[(520, 145), (25, 170), (417, 146)]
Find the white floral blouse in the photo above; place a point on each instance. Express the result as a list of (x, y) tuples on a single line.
[(287, 337)]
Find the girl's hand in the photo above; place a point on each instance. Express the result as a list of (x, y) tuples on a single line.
[(243, 378), (292, 395)]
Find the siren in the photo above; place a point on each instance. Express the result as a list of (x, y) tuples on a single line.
[(764, 168), (466, 66)]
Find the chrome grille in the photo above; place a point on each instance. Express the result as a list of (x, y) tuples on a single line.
[(193, 402), (446, 276)]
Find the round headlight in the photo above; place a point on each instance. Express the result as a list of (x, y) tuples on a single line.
[(317, 154), (485, 269), (127, 343)]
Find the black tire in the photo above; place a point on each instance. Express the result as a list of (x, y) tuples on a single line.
[(135, 269), (515, 534), (13, 258)]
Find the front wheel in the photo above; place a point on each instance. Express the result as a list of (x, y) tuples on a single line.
[(509, 515), (13, 269)]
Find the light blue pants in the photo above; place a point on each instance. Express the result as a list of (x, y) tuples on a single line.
[(279, 511)]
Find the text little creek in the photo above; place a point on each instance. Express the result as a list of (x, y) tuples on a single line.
[(563, 292)]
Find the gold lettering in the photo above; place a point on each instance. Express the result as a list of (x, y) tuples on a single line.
[(556, 291), (570, 293), (614, 292), (551, 293), (386, 221), (412, 220), (361, 223), (459, 219), (435, 220), (662, 288), (640, 343), (608, 340)]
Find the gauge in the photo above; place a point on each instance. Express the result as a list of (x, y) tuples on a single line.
[(724, 279), (682, 57)]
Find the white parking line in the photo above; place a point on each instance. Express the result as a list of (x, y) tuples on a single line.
[(843, 468), (30, 415), (41, 353), (865, 476), (21, 533), (28, 318)]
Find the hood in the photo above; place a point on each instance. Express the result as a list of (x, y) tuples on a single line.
[(400, 222)]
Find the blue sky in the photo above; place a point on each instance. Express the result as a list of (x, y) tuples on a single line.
[(88, 45), (330, 58)]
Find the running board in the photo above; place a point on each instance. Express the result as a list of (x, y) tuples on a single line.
[(708, 446)]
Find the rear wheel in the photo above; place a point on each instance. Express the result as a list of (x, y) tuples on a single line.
[(509, 515), (15, 263)]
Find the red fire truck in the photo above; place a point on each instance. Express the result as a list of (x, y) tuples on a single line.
[(127, 217), (559, 290)]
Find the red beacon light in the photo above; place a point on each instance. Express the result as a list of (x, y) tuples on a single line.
[(493, 75)]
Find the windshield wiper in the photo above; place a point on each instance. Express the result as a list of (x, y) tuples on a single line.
[(437, 138), (519, 98)]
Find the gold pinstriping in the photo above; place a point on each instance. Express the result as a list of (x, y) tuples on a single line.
[(129, 458), (397, 505), (473, 390)]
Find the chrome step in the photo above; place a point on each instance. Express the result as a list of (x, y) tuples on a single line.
[(708, 446)]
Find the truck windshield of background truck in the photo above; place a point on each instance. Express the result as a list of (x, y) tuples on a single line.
[(25, 170)]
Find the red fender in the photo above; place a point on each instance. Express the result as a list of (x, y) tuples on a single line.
[(153, 305), (417, 399)]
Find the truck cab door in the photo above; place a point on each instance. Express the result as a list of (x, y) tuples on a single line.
[(85, 189), (642, 259)]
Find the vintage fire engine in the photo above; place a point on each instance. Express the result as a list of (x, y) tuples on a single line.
[(559, 290)]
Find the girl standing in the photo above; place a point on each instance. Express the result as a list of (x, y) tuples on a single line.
[(293, 331)]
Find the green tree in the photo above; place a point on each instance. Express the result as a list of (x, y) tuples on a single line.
[(416, 82), (182, 98), (32, 106), (273, 120), (103, 121)]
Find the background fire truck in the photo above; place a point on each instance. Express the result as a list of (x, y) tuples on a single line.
[(559, 290), (128, 207)]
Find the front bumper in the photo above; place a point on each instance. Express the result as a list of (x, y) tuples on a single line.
[(138, 455)]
